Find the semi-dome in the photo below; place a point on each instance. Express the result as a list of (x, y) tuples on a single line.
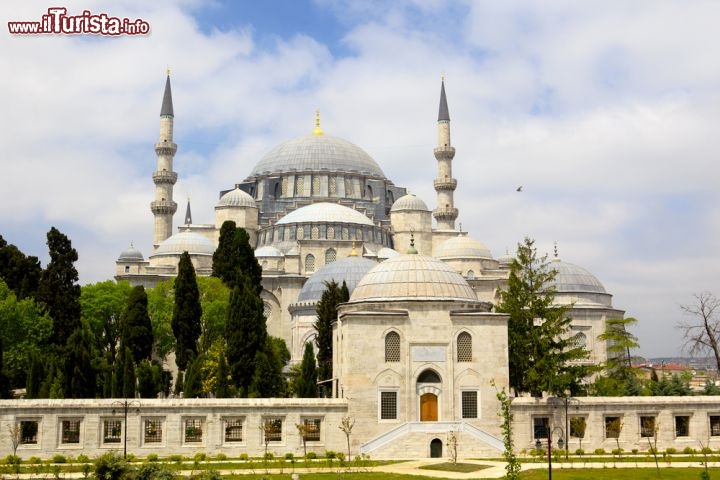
[(193, 243), (573, 278), (349, 269), (324, 212), (409, 202), (385, 253), (236, 198), (412, 277), (462, 247), (131, 254), (316, 153)]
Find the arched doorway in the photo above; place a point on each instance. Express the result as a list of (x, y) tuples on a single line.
[(428, 388), (428, 407), (436, 448)]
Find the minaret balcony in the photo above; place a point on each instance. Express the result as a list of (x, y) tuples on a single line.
[(444, 153), (445, 213), (165, 148), (164, 176), (441, 184), (163, 207)]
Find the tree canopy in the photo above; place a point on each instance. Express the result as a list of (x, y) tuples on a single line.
[(541, 347), (187, 313), (326, 315)]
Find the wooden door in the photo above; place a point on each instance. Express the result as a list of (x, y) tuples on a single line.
[(428, 407)]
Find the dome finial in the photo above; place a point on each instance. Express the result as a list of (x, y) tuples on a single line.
[(412, 250), (318, 130), (555, 252), (168, 69), (353, 253)]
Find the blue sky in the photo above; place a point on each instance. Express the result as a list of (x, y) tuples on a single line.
[(605, 111)]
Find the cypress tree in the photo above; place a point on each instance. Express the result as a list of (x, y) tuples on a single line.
[(4, 383), (136, 327), (222, 389), (246, 333), (21, 273), (128, 378), (234, 256), (34, 377), (265, 379), (80, 373), (192, 385), (187, 313), (58, 288), (307, 383), (326, 315)]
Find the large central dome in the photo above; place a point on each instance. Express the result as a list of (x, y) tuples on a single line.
[(315, 153)]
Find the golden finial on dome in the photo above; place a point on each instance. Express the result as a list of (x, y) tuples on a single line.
[(168, 70), (353, 253), (412, 250), (318, 130)]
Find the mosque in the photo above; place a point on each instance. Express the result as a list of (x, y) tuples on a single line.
[(418, 352)]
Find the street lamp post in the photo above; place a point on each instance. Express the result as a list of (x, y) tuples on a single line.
[(125, 405), (564, 401), (561, 444)]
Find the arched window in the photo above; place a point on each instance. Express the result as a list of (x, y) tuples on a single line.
[(330, 255), (315, 185), (310, 263), (332, 186), (315, 233), (284, 187), (267, 310), (300, 186), (464, 347), (368, 192), (429, 376), (580, 340), (330, 233), (470, 275), (392, 347)]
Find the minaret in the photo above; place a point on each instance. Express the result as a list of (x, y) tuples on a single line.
[(445, 213), (163, 207)]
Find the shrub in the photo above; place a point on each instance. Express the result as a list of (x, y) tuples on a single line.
[(153, 457), (59, 459), (221, 456), (154, 471), (207, 475), (599, 451), (130, 457), (652, 450), (706, 450), (200, 457), (175, 458), (634, 451), (617, 451), (289, 456), (111, 467), (13, 460), (340, 456), (671, 451), (244, 456), (689, 451), (269, 456), (34, 460), (82, 458), (579, 451), (311, 455), (329, 454)]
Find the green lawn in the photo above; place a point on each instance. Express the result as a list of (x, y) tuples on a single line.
[(689, 473), (455, 467)]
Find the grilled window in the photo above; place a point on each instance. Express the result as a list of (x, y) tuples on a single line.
[(682, 426), (392, 347), (388, 405), (112, 431), (464, 347), (193, 430), (153, 431), (469, 404), (70, 431), (647, 427), (234, 430), (272, 430), (312, 429), (28, 432), (310, 263)]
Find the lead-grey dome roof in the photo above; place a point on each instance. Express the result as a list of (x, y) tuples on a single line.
[(131, 254), (349, 269), (462, 246), (408, 202), (324, 212), (236, 198), (573, 278), (193, 243), (412, 277), (315, 153)]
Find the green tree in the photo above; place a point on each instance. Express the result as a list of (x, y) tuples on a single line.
[(541, 349), (234, 255), (307, 382), (187, 313), (246, 333), (80, 374), (619, 378), (161, 302), (25, 331), (103, 305), (214, 299), (20, 272), (192, 384), (58, 288), (136, 327), (4, 383), (128, 374), (222, 387), (326, 310)]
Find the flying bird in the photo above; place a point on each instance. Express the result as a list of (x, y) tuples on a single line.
[(519, 189)]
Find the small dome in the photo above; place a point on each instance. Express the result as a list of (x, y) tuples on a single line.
[(131, 254), (349, 269), (236, 198), (572, 278), (462, 247), (315, 153), (385, 253), (506, 259), (193, 243), (268, 251), (325, 213), (409, 202), (412, 277)]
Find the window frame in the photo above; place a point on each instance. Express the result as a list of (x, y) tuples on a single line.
[(390, 356), (611, 418), (67, 435), (193, 429), (475, 404), (278, 423), (107, 436), (540, 427), (316, 429), (686, 418), (648, 424), (234, 424), (463, 357), (37, 435), (714, 424), (152, 436), (388, 393)]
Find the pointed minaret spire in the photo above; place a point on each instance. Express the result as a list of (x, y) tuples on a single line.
[(188, 214), (167, 106), (445, 214), (163, 207)]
